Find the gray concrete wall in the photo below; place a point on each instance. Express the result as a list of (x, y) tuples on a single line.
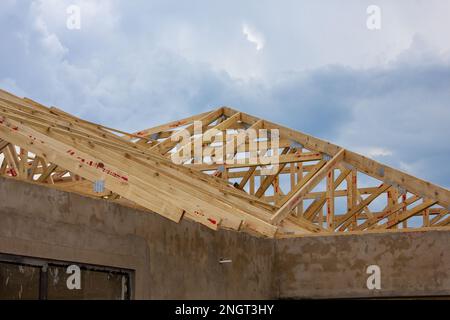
[(412, 264), (170, 260), (180, 261)]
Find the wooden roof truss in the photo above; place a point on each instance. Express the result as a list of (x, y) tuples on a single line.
[(318, 187)]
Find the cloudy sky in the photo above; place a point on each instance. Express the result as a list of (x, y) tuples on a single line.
[(311, 65)]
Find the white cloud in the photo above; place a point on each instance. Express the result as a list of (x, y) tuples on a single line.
[(375, 152), (253, 36), (50, 41)]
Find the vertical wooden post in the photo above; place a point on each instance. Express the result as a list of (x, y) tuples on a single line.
[(352, 196), (330, 199)]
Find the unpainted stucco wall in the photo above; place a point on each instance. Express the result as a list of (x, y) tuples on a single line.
[(181, 261), (412, 264)]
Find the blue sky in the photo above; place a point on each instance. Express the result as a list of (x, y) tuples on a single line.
[(310, 65)]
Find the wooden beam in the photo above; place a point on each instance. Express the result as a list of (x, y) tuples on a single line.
[(330, 199), (282, 159), (170, 125)]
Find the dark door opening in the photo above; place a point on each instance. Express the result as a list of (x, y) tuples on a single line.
[(35, 278)]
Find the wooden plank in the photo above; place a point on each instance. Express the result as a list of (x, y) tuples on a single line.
[(283, 159), (351, 192), (330, 199), (3, 144), (170, 125)]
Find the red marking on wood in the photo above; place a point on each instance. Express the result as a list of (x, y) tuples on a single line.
[(212, 221), (99, 165), (176, 124), (13, 172), (293, 203), (15, 128)]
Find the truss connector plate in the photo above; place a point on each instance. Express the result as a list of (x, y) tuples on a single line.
[(296, 145), (402, 190), (380, 171), (154, 136), (197, 159), (99, 186), (348, 166)]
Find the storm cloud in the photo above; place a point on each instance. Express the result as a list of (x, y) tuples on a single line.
[(309, 65)]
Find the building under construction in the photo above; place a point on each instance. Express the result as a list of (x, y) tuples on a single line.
[(142, 226)]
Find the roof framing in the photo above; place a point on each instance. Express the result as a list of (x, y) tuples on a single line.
[(318, 188)]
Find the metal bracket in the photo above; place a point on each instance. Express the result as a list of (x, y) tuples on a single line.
[(296, 145), (154, 136), (348, 166), (99, 186), (380, 171)]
